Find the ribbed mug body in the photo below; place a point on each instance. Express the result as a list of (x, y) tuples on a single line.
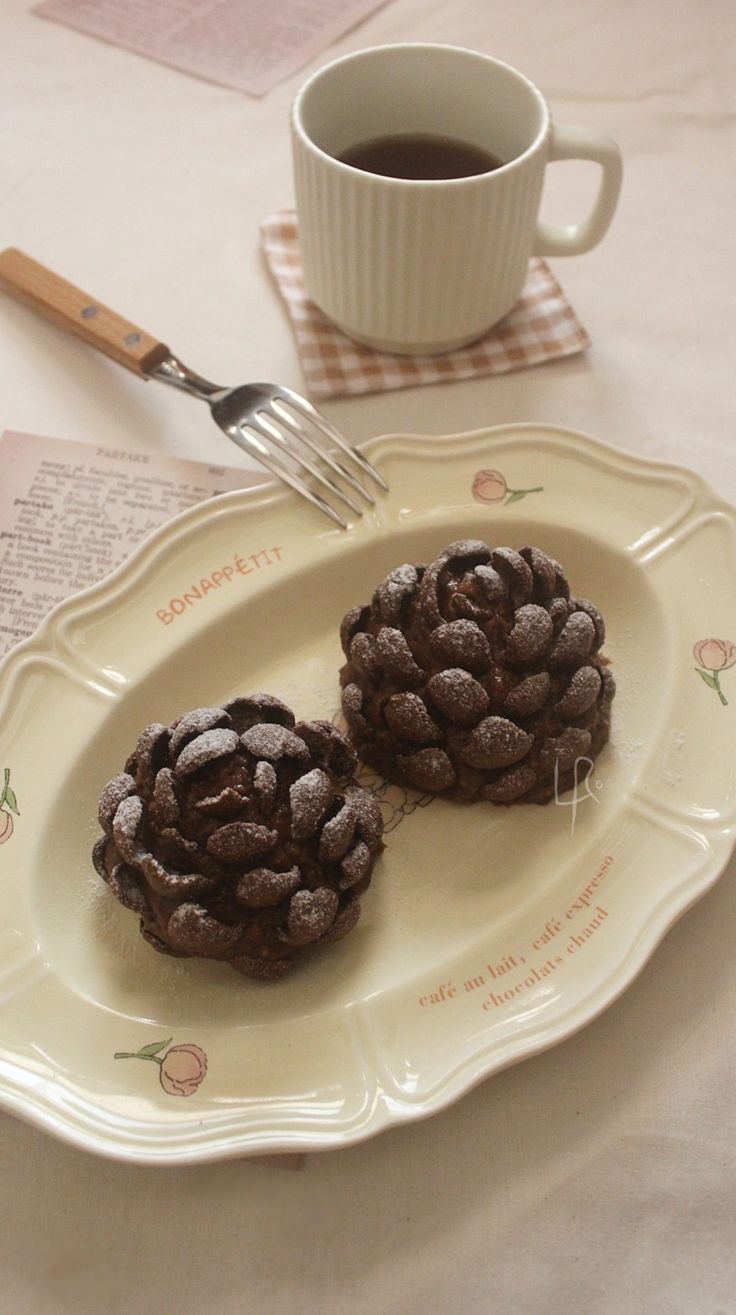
[(417, 265)]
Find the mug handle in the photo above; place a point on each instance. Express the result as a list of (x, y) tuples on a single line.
[(568, 142)]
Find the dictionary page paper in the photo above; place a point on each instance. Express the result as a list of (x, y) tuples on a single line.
[(71, 512), (244, 44)]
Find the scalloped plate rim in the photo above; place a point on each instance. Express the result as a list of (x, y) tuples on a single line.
[(382, 1110), (607, 454)]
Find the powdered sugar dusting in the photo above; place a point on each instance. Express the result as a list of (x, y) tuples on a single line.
[(112, 796), (355, 865), (429, 769), (582, 692), (496, 742), (408, 719), (461, 698), (337, 834), (396, 656), (192, 928), (515, 571), (262, 888), (195, 723), (462, 548), (311, 913), (125, 826), (564, 749), (164, 797), (543, 570), (206, 748), (400, 584), (363, 654), (461, 643), (223, 804), (344, 922), (491, 583), (531, 634), (247, 711), (265, 783), (210, 853), (510, 785), (486, 631), (150, 753), (174, 885), (574, 643), (529, 696), (271, 741), (126, 887), (241, 842), (309, 798), (367, 810)]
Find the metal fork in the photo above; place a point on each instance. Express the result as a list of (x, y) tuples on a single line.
[(256, 415), (276, 426)]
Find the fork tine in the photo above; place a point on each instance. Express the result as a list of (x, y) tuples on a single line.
[(250, 415), (295, 427), (304, 406), (263, 426), (252, 446)]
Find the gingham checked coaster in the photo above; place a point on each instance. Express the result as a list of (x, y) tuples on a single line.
[(541, 327)]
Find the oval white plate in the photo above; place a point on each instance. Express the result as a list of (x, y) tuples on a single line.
[(487, 934)]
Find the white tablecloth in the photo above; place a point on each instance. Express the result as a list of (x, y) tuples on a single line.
[(600, 1176)]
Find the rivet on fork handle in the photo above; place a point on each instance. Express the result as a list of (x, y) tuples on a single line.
[(68, 307)]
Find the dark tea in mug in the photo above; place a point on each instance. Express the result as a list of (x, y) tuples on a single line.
[(419, 156)]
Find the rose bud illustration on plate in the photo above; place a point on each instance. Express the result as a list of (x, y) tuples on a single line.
[(491, 486), (712, 657), (8, 806), (181, 1069)]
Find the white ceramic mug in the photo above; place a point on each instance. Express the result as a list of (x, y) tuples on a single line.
[(427, 265)]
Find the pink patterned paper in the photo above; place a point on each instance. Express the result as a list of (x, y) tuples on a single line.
[(244, 44)]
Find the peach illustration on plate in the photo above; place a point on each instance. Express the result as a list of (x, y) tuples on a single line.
[(181, 1069), (491, 486)]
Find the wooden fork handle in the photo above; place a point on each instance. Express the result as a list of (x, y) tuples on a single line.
[(73, 310)]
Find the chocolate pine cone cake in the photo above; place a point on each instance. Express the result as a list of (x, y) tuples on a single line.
[(236, 834), (478, 676)]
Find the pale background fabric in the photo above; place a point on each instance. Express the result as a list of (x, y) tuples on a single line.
[(597, 1178)]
